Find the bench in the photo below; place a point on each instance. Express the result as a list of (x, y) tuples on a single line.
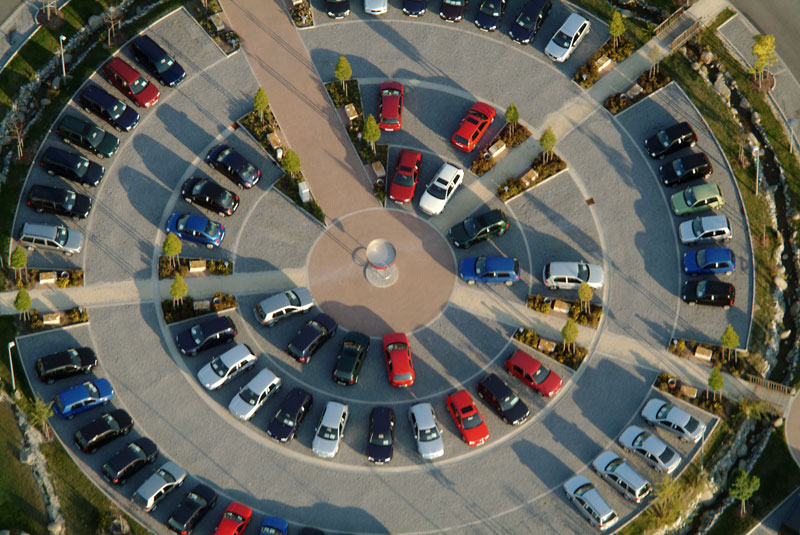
[(202, 304), (52, 319), (197, 266), (561, 306), (379, 170), (529, 176), (274, 139), (546, 346), (47, 277), (688, 391), (216, 20), (351, 112), (703, 353), (304, 191), (497, 150)]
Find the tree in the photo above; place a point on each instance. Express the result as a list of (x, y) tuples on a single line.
[(16, 129), (742, 487), (764, 51), (261, 103), (585, 294), (113, 19), (22, 303), (666, 493), (290, 162), (655, 57), (371, 131), (715, 381), (40, 414), (616, 27), (757, 409), (172, 247), (512, 117), (730, 341), (18, 260), (178, 290), (343, 72), (548, 143), (569, 333)]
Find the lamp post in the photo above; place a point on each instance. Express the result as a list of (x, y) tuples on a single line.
[(61, 40), (792, 125), (757, 156), (11, 365)]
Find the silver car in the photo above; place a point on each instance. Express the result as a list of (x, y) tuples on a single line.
[(167, 478), (330, 430), (426, 431), (254, 394), (621, 476), (225, 367), (59, 238), (670, 417), (650, 448), (567, 38), (570, 275), (283, 305), (705, 229), (590, 503), (441, 189), (376, 7)]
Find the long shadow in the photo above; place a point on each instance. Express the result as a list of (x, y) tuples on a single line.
[(170, 115), (535, 458)]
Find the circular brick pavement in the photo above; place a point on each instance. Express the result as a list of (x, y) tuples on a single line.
[(425, 263)]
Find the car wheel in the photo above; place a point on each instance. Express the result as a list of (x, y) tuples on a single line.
[(209, 246), (501, 232), (126, 430), (471, 282), (553, 287), (93, 451), (50, 172), (223, 214), (50, 381), (692, 304), (76, 218), (693, 143), (31, 248), (187, 199), (729, 273), (726, 307), (509, 283), (306, 311), (240, 186), (270, 324), (153, 508), (70, 417), (118, 129), (105, 402)]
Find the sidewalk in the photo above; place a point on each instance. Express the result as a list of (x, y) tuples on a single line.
[(18, 27)]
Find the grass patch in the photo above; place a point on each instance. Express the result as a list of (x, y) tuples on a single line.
[(639, 32)]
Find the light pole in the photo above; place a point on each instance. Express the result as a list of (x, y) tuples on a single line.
[(757, 156), (792, 125), (61, 40), (11, 365)]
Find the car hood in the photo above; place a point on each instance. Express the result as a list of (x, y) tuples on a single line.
[(432, 449), (685, 232), (668, 175), (374, 5), (173, 75), (430, 204), (401, 193), (149, 95), (517, 413), (185, 342), (459, 234), (653, 145), (323, 447), (381, 454), (554, 50), (337, 8), (94, 174), (108, 145), (690, 262), (83, 204), (452, 12), (414, 7), (466, 268), (128, 120), (550, 386), (519, 33), (208, 378), (240, 408), (486, 21), (679, 203), (690, 289), (278, 430), (74, 240)]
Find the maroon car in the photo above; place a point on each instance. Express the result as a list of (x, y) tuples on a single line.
[(391, 106), (406, 175), (129, 81)]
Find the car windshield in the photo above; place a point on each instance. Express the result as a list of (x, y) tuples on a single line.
[(285, 418), (470, 422), (403, 377), (480, 265), (112, 423), (427, 435), (247, 171), (692, 425), (583, 272), (266, 530), (198, 188), (390, 120), (93, 392), (95, 136), (475, 114), (697, 226), (380, 439), (196, 498), (471, 226), (164, 64), (677, 166), (461, 139), (293, 299), (180, 224), (81, 166), (212, 228), (197, 334), (639, 440), (457, 3), (166, 476), (561, 39), (117, 110), (405, 177), (701, 289), (328, 433), (74, 357), (525, 21), (225, 198), (233, 516), (491, 8), (663, 138), (224, 154), (541, 374), (248, 396), (701, 258), (397, 346), (318, 326), (69, 202), (666, 455), (688, 196), (390, 92), (219, 367), (139, 500), (61, 235), (663, 411), (139, 452), (139, 85), (508, 402), (583, 489), (613, 465), (59, 405), (437, 191)]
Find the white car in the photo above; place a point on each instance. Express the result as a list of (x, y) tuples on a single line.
[(567, 38), (283, 305), (570, 275), (330, 430), (376, 7), (650, 448), (621, 476), (705, 229), (426, 431), (254, 394), (590, 503), (670, 417), (170, 476), (440, 189), (225, 367)]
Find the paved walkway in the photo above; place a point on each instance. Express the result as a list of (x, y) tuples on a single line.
[(18, 24)]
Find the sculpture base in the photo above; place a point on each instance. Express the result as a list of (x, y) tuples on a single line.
[(381, 278)]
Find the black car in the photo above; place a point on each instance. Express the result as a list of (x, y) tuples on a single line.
[(381, 435), (234, 166), (85, 134), (110, 108), (311, 337), (670, 140), (72, 166), (505, 402), (709, 292), (490, 14), (453, 10), (414, 8), (60, 201), (65, 363), (351, 358), (152, 57), (197, 502), (338, 9), (692, 167), (527, 24), (130, 460), (208, 194), (206, 334), (103, 430), (286, 421), (479, 228)]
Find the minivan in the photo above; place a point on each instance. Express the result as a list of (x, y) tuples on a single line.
[(72, 166), (527, 24), (110, 108), (59, 201), (621, 476), (51, 238), (85, 134)]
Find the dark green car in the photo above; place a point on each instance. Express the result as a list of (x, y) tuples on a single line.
[(478, 228), (85, 134), (351, 358)]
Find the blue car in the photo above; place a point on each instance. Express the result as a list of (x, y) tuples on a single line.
[(489, 269), (709, 262), (83, 397), (272, 525), (196, 228)]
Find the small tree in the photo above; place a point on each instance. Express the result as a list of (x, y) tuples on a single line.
[(757, 409), (178, 290), (40, 414), (261, 103), (113, 19), (764, 51), (371, 131), (512, 117), (22, 303), (16, 130), (715, 382), (585, 294), (616, 27), (548, 143), (666, 493), (18, 260), (172, 247), (569, 333), (742, 487), (655, 57), (343, 72), (730, 341), (290, 162)]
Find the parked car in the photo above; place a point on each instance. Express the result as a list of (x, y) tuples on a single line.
[(390, 106), (197, 502), (426, 431), (350, 359), (441, 189), (337, 9), (670, 139), (155, 59), (415, 8), (273, 525), (72, 166), (60, 201), (709, 262), (279, 306), (234, 166), (650, 448), (473, 126), (697, 199), (65, 363), (110, 108), (621, 476), (380, 439), (478, 228), (452, 10), (330, 430), (674, 419), (166, 479), (583, 494), (83, 397), (85, 134), (129, 460), (570, 275), (531, 372), (505, 402), (468, 420), (196, 229), (130, 83), (567, 38), (489, 269), (311, 337), (709, 292), (234, 520), (406, 175), (705, 229), (227, 366), (376, 7), (490, 14), (210, 195), (527, 24), (254, 394), (293, 409), (59, 238), (103, 430), (206, 334), (397, 352), (695, 166)]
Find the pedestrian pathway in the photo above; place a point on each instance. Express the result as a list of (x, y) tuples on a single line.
[(17, 26)]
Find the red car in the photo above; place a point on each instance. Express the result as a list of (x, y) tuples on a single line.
[(391, 106), (531, 372), (129, 81), (473, 126), (234, 520), (469, 421), (406, 175), (398, 360)]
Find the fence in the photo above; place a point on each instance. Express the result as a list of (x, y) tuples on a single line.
[(668, 22), (770, 385), (685, 36)]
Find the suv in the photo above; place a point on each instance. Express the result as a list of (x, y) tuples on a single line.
[(621, 476), (527, 24), (294, 408), (590, 503), (102, 430), (110, 108), (710, 292), (85, 134), (152, 57), (206, 334), (692, 167), (59, 201), (129, 460), (505, 402), (705, 229), (72, 166), (670, 139), (51, 238), (311, 337), (65, 363), (131, 83), (478, 228)]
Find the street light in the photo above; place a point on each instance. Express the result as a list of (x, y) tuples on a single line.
[(792, 125), (61, 40), (11, 365), (757, 155)]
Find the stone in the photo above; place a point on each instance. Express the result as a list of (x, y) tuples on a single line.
[(26, 456), (777, 423), (795, 309), (695, 66), (118, 525), (56, 82), (780, 283), (744, 103), (45, 102), (734, 85), (796, 217), (95, 22), (56, 527), (703, 71), (785, 334), (722, 89), (756, 118), (706, 57)]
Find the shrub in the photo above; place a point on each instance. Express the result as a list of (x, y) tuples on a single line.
[(520, 134), (223, 301), (482, 165), (662, 381), (380, 192), (219, 267), (514, 186), (587, 74), (537, 303), (78, 315), (301, 15), (340, 99), (75, 277), (35, 320), (527, 337), (62, 282)]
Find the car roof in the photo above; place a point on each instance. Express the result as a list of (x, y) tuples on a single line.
[(679, 129), (496, 386), (236, 354), (75, 123), (484, 108), (61, 156), (694, 159), (355, 336), (262, 380), (99, 95), (706, 190), (718, 287), (382, 417), (146, 44), (40, 230), (295, 398), (423, 412), (332, 414), (715, 254), (326, 321), (500, 263), (409, 157), (572, 23), (217, 323), (125, 71), (715, 222), (533, 7), (446, 172), (528, 362)]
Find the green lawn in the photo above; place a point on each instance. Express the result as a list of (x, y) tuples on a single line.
[(638, 31)]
